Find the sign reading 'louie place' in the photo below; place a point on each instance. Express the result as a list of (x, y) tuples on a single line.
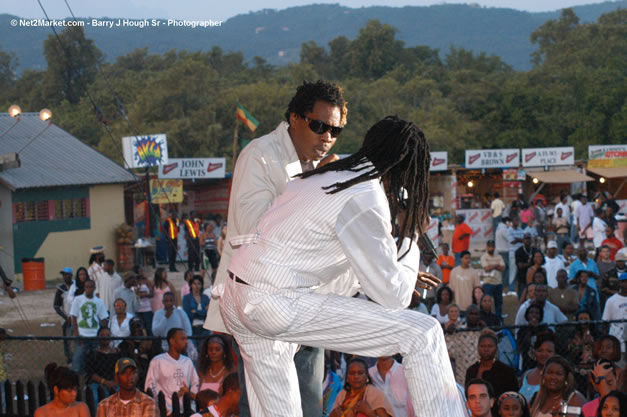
[(539, 157), (189, 168), (492, 158)]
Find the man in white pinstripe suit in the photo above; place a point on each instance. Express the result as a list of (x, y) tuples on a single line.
[(333, 220), (262, 171)]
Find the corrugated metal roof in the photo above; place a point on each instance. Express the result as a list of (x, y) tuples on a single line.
[(54, 159)]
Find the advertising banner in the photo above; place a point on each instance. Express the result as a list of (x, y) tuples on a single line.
[(193, 168), (607, 152), (439, 161), (145, 151), (480, 221), (492, 158), (166, 191), (540, 157)]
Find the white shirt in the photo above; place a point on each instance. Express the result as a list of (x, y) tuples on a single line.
[(576, 205), (552, 314), (501, 240), (89, 312), (616, 309), (345, 232), (120, 330), (106, 286), (435, 312), (552, 266), (161, 324), (565, 210), (598, 230), (167, 375), (261, 173), (394, 388)]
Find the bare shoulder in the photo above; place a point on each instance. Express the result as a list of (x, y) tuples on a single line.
[(42, 411)]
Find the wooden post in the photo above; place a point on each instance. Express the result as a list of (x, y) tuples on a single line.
[(235, 137)]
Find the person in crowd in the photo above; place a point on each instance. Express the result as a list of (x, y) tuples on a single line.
[(429, 264), (193, 243), (128, 293), (605, 264), (564, 297), (173, 372), (561, 227), (215, 361), (496, 208), (529, 293), (416, 303), (221, 240), (187, 277), (603, 379), (473, 318), (119, 322), (552, 264), (551, 313), (454, 321), (524, 259), (537, 265), (463, 279), (515, 235), (586, 295), (62, 306), (227, 404), (109, 282), (544, 348), (493, 267), (598, 228), (512, 404), (477, 294), (583, 262), (502, 246), (195, 305), (359, 395), (540, 218), (557, 384), (170, 317), (100, 364), (485, 311), (443, 300), (88, 314), (457, 342), (332, 385), (613, 405), (610, 283), (141, 351), (78, 286), (568, 254), (616, 309), (446, 263), (564, 204), (489, 368), (387, 375), (96, 265), (612, 242), (526, 214), (461, 238), (204, 400), (160, 286), (171, 232), (145, 293), (479, 398), (584, 215), (63, 385), (128, 401), (539, 277), (526, 336), (580, 342), (210, 246), (608, 347), (574, 224)]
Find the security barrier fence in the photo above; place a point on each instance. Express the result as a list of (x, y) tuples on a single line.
[(24, 358)]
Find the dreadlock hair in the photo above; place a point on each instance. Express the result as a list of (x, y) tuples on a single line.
[(397, 152), (308, 93)]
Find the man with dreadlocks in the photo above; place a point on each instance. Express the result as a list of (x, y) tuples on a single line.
[(336, 219)]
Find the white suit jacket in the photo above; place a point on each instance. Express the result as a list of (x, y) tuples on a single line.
[(261, 173)]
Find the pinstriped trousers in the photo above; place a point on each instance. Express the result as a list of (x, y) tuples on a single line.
[(269, 326)]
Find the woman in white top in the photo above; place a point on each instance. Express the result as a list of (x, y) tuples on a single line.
[(119, 323), (443, 298)]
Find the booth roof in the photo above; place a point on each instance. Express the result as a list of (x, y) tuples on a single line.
[(565, 176), (616, 172)]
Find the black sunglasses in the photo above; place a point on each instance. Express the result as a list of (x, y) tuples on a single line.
[(320, 127)]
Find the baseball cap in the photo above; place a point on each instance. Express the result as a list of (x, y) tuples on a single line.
[(67, 270), (620, 256), (551, 244), (123, 363), (623, 276)]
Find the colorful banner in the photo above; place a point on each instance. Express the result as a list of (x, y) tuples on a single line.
[(607, 152), (480, 221), (439, 161), (248, 119), (607, 163), (492, 158), (193, 168), (166, 191), (540, 157), (145, 151)]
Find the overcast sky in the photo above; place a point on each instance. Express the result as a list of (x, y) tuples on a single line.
[(224, 9)]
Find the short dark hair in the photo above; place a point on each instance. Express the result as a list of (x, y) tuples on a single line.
[(230, 383), (168, 294), (479, 381), (496, 195), (464, 253), (172, 332), (534, 305), (60, 377), (109, 262), (309, 93)]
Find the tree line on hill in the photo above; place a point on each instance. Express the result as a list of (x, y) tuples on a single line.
[(575, 94)]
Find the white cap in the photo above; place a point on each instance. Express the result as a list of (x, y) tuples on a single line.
[(551, 244)]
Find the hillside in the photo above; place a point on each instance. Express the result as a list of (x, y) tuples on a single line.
[(277, 35)]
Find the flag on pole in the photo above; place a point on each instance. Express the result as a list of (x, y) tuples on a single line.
[(248, 119)]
